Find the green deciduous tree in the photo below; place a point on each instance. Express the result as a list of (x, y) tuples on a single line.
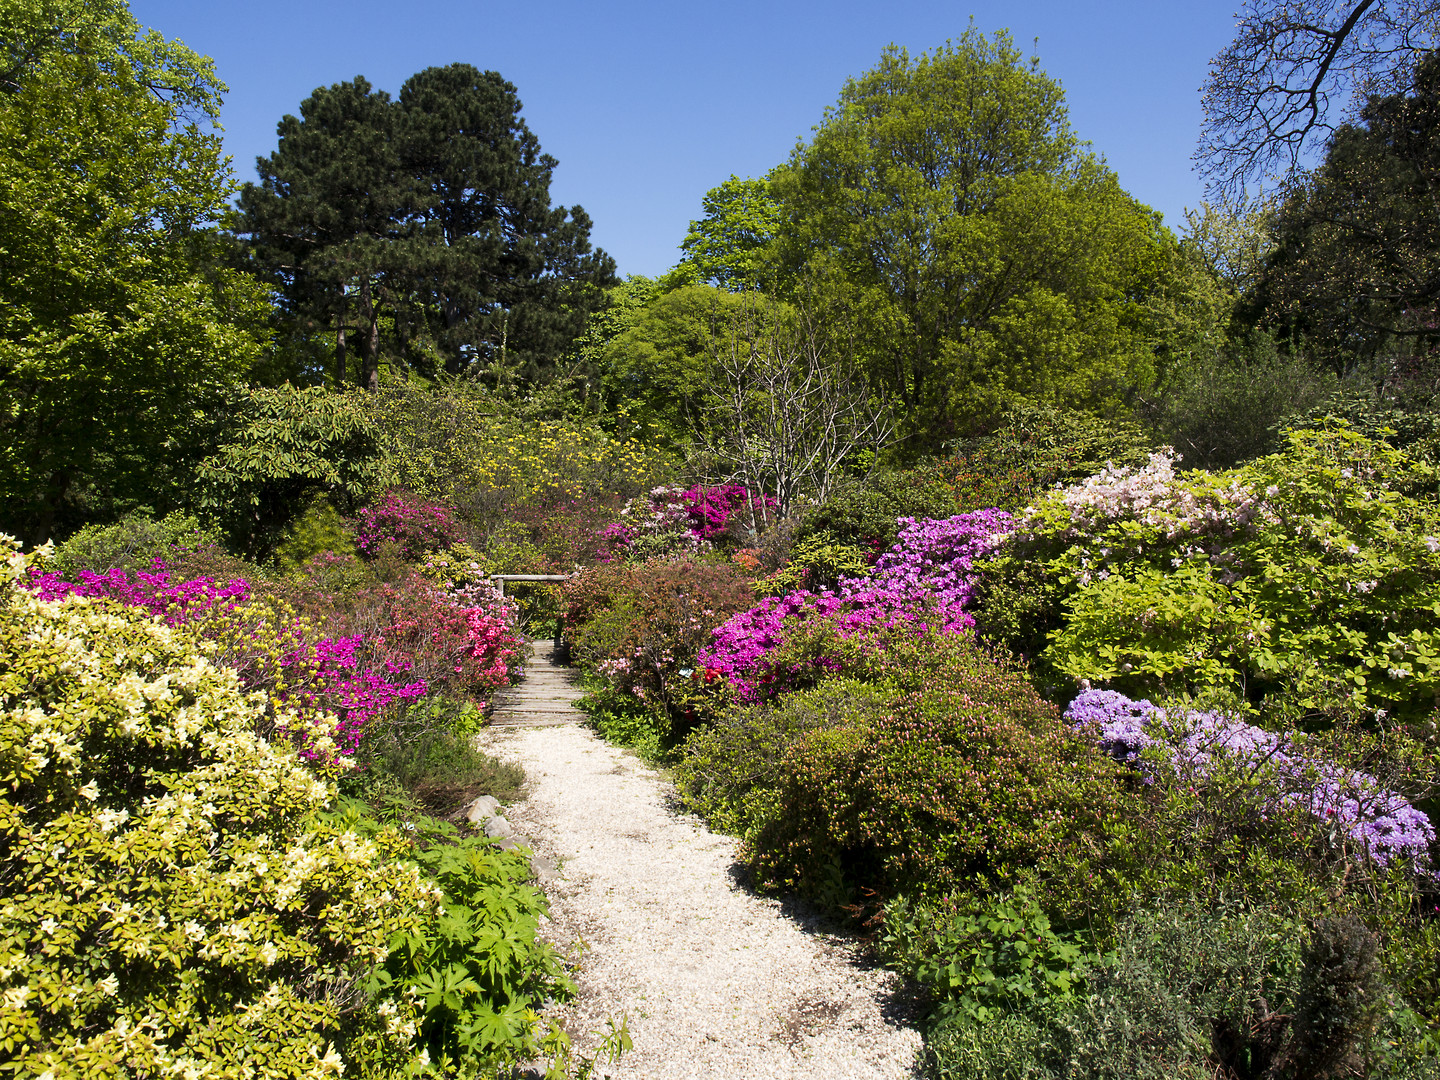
[(115, 319), (730, 246), (947, 212)]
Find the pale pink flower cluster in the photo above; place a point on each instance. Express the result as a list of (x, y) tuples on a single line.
[(1154, 496)]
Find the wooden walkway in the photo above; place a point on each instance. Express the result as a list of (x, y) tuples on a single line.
[(544, 698)]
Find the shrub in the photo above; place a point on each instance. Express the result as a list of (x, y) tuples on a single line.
[(980, 960), (132, 543), (480, 970), (1307, 575), (863, 514), (640, 626), (164, 878), (1198, 992), (318, 531), (1363, 818), (1035, 448), (414, 526), (965, 775), (427, 747), (278, 447), (925, 577), (458, 443)]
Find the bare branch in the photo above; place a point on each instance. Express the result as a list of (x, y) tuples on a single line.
[(793, 405), (1297, 69)]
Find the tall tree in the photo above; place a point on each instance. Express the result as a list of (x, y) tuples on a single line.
[(325, 217), (507, 279), (731, 245), (945, 209), (1296, 69), (116, 321), (1357, 265), (430, 214)]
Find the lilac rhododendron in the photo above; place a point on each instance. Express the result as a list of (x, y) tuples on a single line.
[(1380, 822), (925, 578)]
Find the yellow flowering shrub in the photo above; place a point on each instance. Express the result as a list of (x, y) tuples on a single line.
[(169, 905), (453, 442)]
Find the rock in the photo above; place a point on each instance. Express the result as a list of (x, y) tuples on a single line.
[(545, 871), (486, 806), (497, 827)]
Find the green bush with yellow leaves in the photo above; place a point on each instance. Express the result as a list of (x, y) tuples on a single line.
[(172, 904)]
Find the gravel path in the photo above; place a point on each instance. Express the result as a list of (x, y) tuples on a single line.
[(715, 981)]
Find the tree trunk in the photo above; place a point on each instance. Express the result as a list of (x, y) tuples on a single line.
[(370, 339)]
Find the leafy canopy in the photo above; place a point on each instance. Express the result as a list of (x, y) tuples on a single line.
[(116, 321)]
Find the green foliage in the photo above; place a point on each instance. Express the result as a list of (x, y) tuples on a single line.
[(279, 447), (421, 228), (132, 543), (641, 625), (1355, 267), (625, 720), (863, 514), (1309, 572), (959, 773), (817, 561), (729, 245), (661, 363), (427, 748), (319, 530), (1197, 992), (479, 971), (1035, 448), (117, 322), (1226, 406), (980, 964), (456, 443), (164, 870), (946, 215)]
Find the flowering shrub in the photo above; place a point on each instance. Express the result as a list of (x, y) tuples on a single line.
[(1310, 572), (641, 625), (411, 641), (152, 590), (925, 577), (415, 526), (164, 875), (946, 768), (690, 519), (1374, 822)]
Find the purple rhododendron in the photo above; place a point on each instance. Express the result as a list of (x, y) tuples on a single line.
[(926, 577), (1379, 821)]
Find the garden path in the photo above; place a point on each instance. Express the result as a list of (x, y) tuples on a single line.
[(715, 982)]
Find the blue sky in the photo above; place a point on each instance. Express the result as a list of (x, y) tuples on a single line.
[(648, 105)]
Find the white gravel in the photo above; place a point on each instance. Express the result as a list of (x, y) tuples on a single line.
[(715, 982)]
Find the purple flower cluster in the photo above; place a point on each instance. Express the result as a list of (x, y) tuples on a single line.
[(175, 602), (1380, 822), (934, 558), (925, 577)]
